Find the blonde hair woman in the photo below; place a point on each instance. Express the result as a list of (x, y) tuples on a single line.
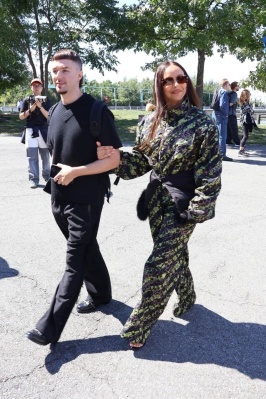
[(246, 119)]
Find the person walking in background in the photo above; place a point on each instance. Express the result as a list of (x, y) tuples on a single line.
[(232, 128), (150, 107), (220, 105), (76, 207), (247, 120), (35, 113), (179, 144), (19, 105)]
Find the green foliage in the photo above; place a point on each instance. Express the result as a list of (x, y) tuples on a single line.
[(127, 92), (257, 78), (168, 29), (12, 67), (93, 29)]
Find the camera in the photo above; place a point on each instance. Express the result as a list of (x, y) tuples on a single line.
[(41, 98), (33, 98)]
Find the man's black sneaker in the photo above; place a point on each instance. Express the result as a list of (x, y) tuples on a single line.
[(226, 158)]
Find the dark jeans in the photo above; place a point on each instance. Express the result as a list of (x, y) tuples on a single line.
[(245, 131), (232, 130), (79, 223)]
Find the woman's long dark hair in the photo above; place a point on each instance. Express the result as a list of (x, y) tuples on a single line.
[(159, 99)]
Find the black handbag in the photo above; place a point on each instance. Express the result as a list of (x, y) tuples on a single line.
[(248, 119)]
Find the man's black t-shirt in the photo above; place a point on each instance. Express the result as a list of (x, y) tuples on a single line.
[(36, 117), (71, 143)]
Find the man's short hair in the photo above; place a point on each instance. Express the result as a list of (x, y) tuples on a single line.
[(67, 54), (234, 85), (223, 82)]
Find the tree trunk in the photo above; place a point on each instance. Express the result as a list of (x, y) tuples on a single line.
[(200, 74), (38, 28), (46, 70), (30, 58)]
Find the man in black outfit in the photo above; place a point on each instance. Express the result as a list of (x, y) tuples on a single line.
[(77, 206), (232, 128), (35, 112)]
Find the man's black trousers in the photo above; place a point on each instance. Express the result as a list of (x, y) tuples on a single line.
[(79, 223), (232, 130)]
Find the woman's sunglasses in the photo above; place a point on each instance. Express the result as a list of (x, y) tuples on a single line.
[(178, 79)]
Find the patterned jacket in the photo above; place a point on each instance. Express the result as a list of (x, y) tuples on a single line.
[(186, 140), (246, 110)]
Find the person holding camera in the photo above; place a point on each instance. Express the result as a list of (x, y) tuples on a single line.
[(35, 112)]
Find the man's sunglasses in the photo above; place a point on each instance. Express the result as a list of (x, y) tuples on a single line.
[(178, 79)]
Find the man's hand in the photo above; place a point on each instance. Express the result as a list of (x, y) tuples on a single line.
[(66, 175), (38, 104), (109, 161), (104, 151)]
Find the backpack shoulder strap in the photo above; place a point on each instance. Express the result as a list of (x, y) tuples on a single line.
[(50, 112), (95, 129), (96, 117)]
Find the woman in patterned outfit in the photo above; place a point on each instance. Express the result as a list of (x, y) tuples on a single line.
[(178, 142), (246, 120)]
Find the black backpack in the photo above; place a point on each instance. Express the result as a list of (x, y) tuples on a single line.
[(95, 128), (215, 104)]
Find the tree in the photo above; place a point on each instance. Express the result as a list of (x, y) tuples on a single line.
[(257, 78), (12, 67), (128, 92), (172, 28), (89, 27)]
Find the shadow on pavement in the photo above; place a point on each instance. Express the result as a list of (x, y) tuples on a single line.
[(5, 270), (207, 338), (250, 161)]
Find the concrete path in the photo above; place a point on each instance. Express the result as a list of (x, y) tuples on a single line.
[(217, 350)]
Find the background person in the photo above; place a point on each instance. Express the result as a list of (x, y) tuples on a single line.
[(76, 207), (35, 113), (150, 107), (232, 128), (19, 105), (246, 120), (179, 144), (220, 116)]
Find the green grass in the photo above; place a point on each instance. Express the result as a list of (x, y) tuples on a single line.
[(10, 124), (126, 123), (258, 136)]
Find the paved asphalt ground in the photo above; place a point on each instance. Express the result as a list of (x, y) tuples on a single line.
[(217, 350)]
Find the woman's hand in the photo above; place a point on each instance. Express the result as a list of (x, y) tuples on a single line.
[(66, 175), (104, 151)]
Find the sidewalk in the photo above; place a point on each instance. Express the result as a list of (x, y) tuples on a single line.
[(217, 350)]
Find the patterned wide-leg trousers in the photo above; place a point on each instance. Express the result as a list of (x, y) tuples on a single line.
[(166, 270)]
